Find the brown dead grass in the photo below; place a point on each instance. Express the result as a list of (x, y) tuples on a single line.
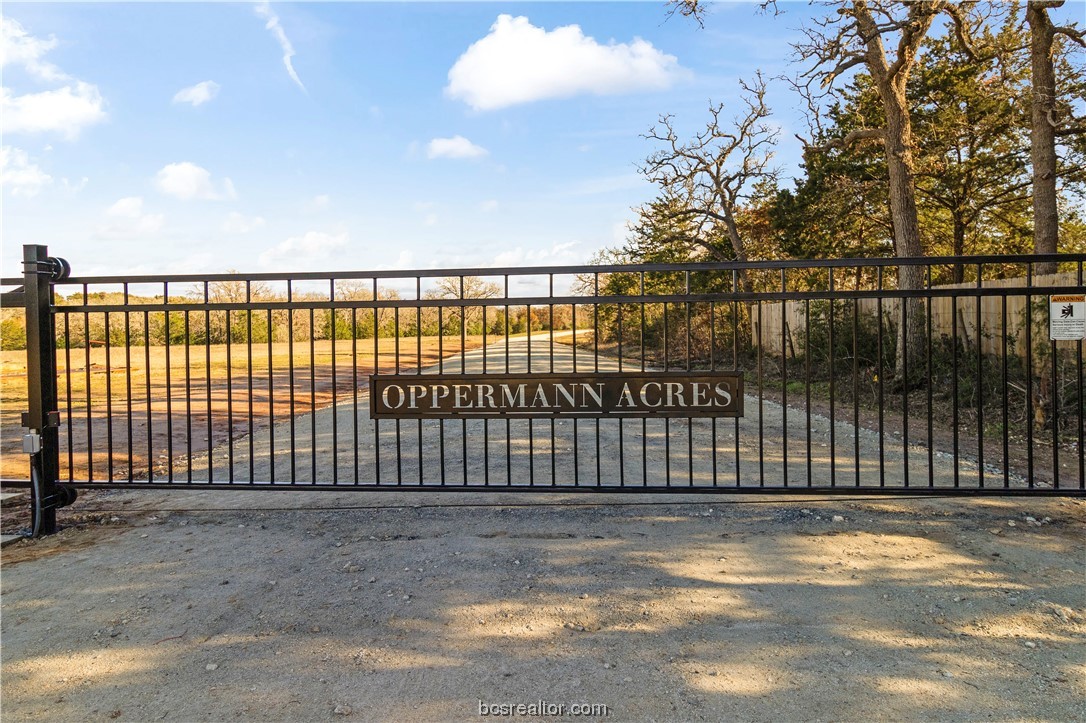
[(195, 402)]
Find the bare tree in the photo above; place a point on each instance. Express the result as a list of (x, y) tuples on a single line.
[(707, 178), (1049, 120), (464, 287), (237, 291)]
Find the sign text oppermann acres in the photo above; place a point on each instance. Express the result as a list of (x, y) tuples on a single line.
[(645, 394)]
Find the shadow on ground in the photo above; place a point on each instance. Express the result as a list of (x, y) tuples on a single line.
[(747, 608)]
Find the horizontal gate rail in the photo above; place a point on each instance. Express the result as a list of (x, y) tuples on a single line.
[(852, 384)]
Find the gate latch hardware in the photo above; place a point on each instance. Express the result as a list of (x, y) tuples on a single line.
[(31, 443), (52, 419)]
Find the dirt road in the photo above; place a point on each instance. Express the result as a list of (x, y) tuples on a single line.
[(419, 606)]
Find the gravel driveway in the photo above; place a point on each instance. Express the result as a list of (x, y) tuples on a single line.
[(192, 605)]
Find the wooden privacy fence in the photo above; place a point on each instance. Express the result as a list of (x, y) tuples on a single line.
[(767, 316)]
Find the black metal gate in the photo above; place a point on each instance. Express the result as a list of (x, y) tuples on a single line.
[(852, 383)]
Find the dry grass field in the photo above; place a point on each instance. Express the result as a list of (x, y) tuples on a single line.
[(180, 401)]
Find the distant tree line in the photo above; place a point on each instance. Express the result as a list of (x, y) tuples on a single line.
[(157, 328)]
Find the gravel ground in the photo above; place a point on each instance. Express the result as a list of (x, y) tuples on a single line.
[(397, 605)]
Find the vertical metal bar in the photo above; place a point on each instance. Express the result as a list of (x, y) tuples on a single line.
[(667, 421), (761, 395), (249, 378), (333, 321), (169, 372), (531, 422), (1081, 406), (313, 394), (188, 397), (905, 387), (930, 385), (376, 371), (856, 381), (128, 377), (644, 422), (954, 384), (464, 370), (784, 378), (271, 401), (712, 368), (833, 375), (667, 339), (396, 346), (576, 435), (147, 384), (978, 339), (1006, 396), (109, 403), (229, 397), (882, 403), (207, 378), (807, 390), (689, 421), (508, 424), (68, 402), (1055, 417), (621, 430), (550, 308), (90, 409), (735, 363), (290, 387), (440, 369), (486, 423), (1029, 374), (41, 378), (354, 386), (596, 360)]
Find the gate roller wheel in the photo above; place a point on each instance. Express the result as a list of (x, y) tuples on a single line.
[(68, 495), (60, 268)]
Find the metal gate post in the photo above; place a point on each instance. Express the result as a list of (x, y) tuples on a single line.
[(42, 441)]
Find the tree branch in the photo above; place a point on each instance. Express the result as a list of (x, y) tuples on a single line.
[(860, 134)]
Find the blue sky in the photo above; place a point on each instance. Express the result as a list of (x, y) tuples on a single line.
[(205, 137), (534, 160)]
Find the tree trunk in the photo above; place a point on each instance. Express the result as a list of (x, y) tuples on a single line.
[(902, 188), (959, 247), (1043, 134)]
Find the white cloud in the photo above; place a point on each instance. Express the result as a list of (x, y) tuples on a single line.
[(239, 223), (197, 94), (297, 251), (488, 206), (264, 10), (187, 181), (74, 186), (21, 48), (518, 62), (318, 203), (130, 222), (19, 174), (455, 147), (558, 253), (128, 207), (65, 110)]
